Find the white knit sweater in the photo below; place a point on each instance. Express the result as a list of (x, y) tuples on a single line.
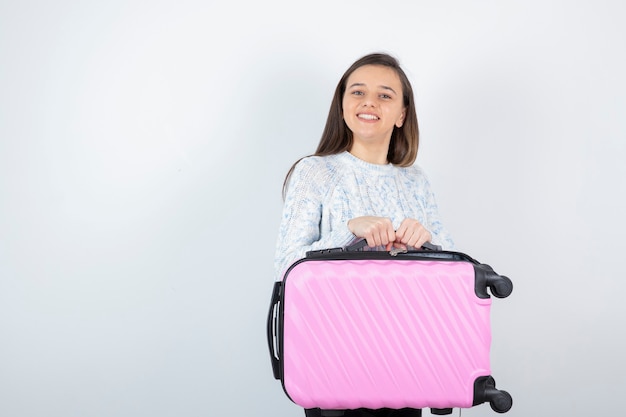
[(323, 193)]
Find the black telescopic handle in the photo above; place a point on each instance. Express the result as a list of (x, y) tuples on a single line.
[(431, 246), (356, 246), (272, 319)]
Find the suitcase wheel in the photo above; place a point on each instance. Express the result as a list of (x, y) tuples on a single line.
[(485, 391), (501, 401), (502, 287)]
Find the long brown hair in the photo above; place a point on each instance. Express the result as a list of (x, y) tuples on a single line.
[(337, 137)]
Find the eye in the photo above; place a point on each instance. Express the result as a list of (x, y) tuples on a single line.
[(385, 96), (357, 93)]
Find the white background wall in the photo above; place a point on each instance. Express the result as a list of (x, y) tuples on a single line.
[(142, 149)]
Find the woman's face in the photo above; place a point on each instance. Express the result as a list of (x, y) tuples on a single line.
[(373, 104)]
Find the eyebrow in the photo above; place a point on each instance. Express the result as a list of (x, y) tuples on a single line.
[(384, 87)]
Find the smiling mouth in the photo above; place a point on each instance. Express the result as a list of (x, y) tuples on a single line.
[(367, 116)]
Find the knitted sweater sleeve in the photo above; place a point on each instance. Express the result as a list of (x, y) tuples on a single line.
[(300, 226), (440, 235)]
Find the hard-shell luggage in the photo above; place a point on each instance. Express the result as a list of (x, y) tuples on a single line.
[(369, 329)]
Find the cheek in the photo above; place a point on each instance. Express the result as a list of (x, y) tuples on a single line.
[(344, 105)]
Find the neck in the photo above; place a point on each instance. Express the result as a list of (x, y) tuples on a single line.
[(372, 154)]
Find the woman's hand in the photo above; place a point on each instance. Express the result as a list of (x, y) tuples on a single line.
[(379, 231), (412, 233)]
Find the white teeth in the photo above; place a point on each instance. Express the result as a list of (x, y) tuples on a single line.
[(368, 116)]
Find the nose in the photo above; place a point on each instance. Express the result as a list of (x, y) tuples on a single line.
[(368, 102)]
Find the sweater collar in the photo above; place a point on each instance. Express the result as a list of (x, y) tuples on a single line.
[(373, 168)]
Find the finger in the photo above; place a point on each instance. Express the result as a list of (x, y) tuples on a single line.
[(370, 237), (399, 245), (423, 238), (419, 241), (415, 234), (387, 235), (379, 236), (386, 232), (391, 234), (408, 231), (410, 238), (401, 232)]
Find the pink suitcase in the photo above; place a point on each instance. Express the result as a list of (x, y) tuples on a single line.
[(365, 329)]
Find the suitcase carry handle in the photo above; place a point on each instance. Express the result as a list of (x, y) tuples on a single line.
[(272, 330), (361, 243)]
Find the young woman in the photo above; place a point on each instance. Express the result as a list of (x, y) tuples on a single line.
[(362, 182)]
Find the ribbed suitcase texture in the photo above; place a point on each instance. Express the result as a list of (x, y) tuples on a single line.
[(387, 332)]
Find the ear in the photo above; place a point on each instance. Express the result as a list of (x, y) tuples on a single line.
[(400, 120)]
